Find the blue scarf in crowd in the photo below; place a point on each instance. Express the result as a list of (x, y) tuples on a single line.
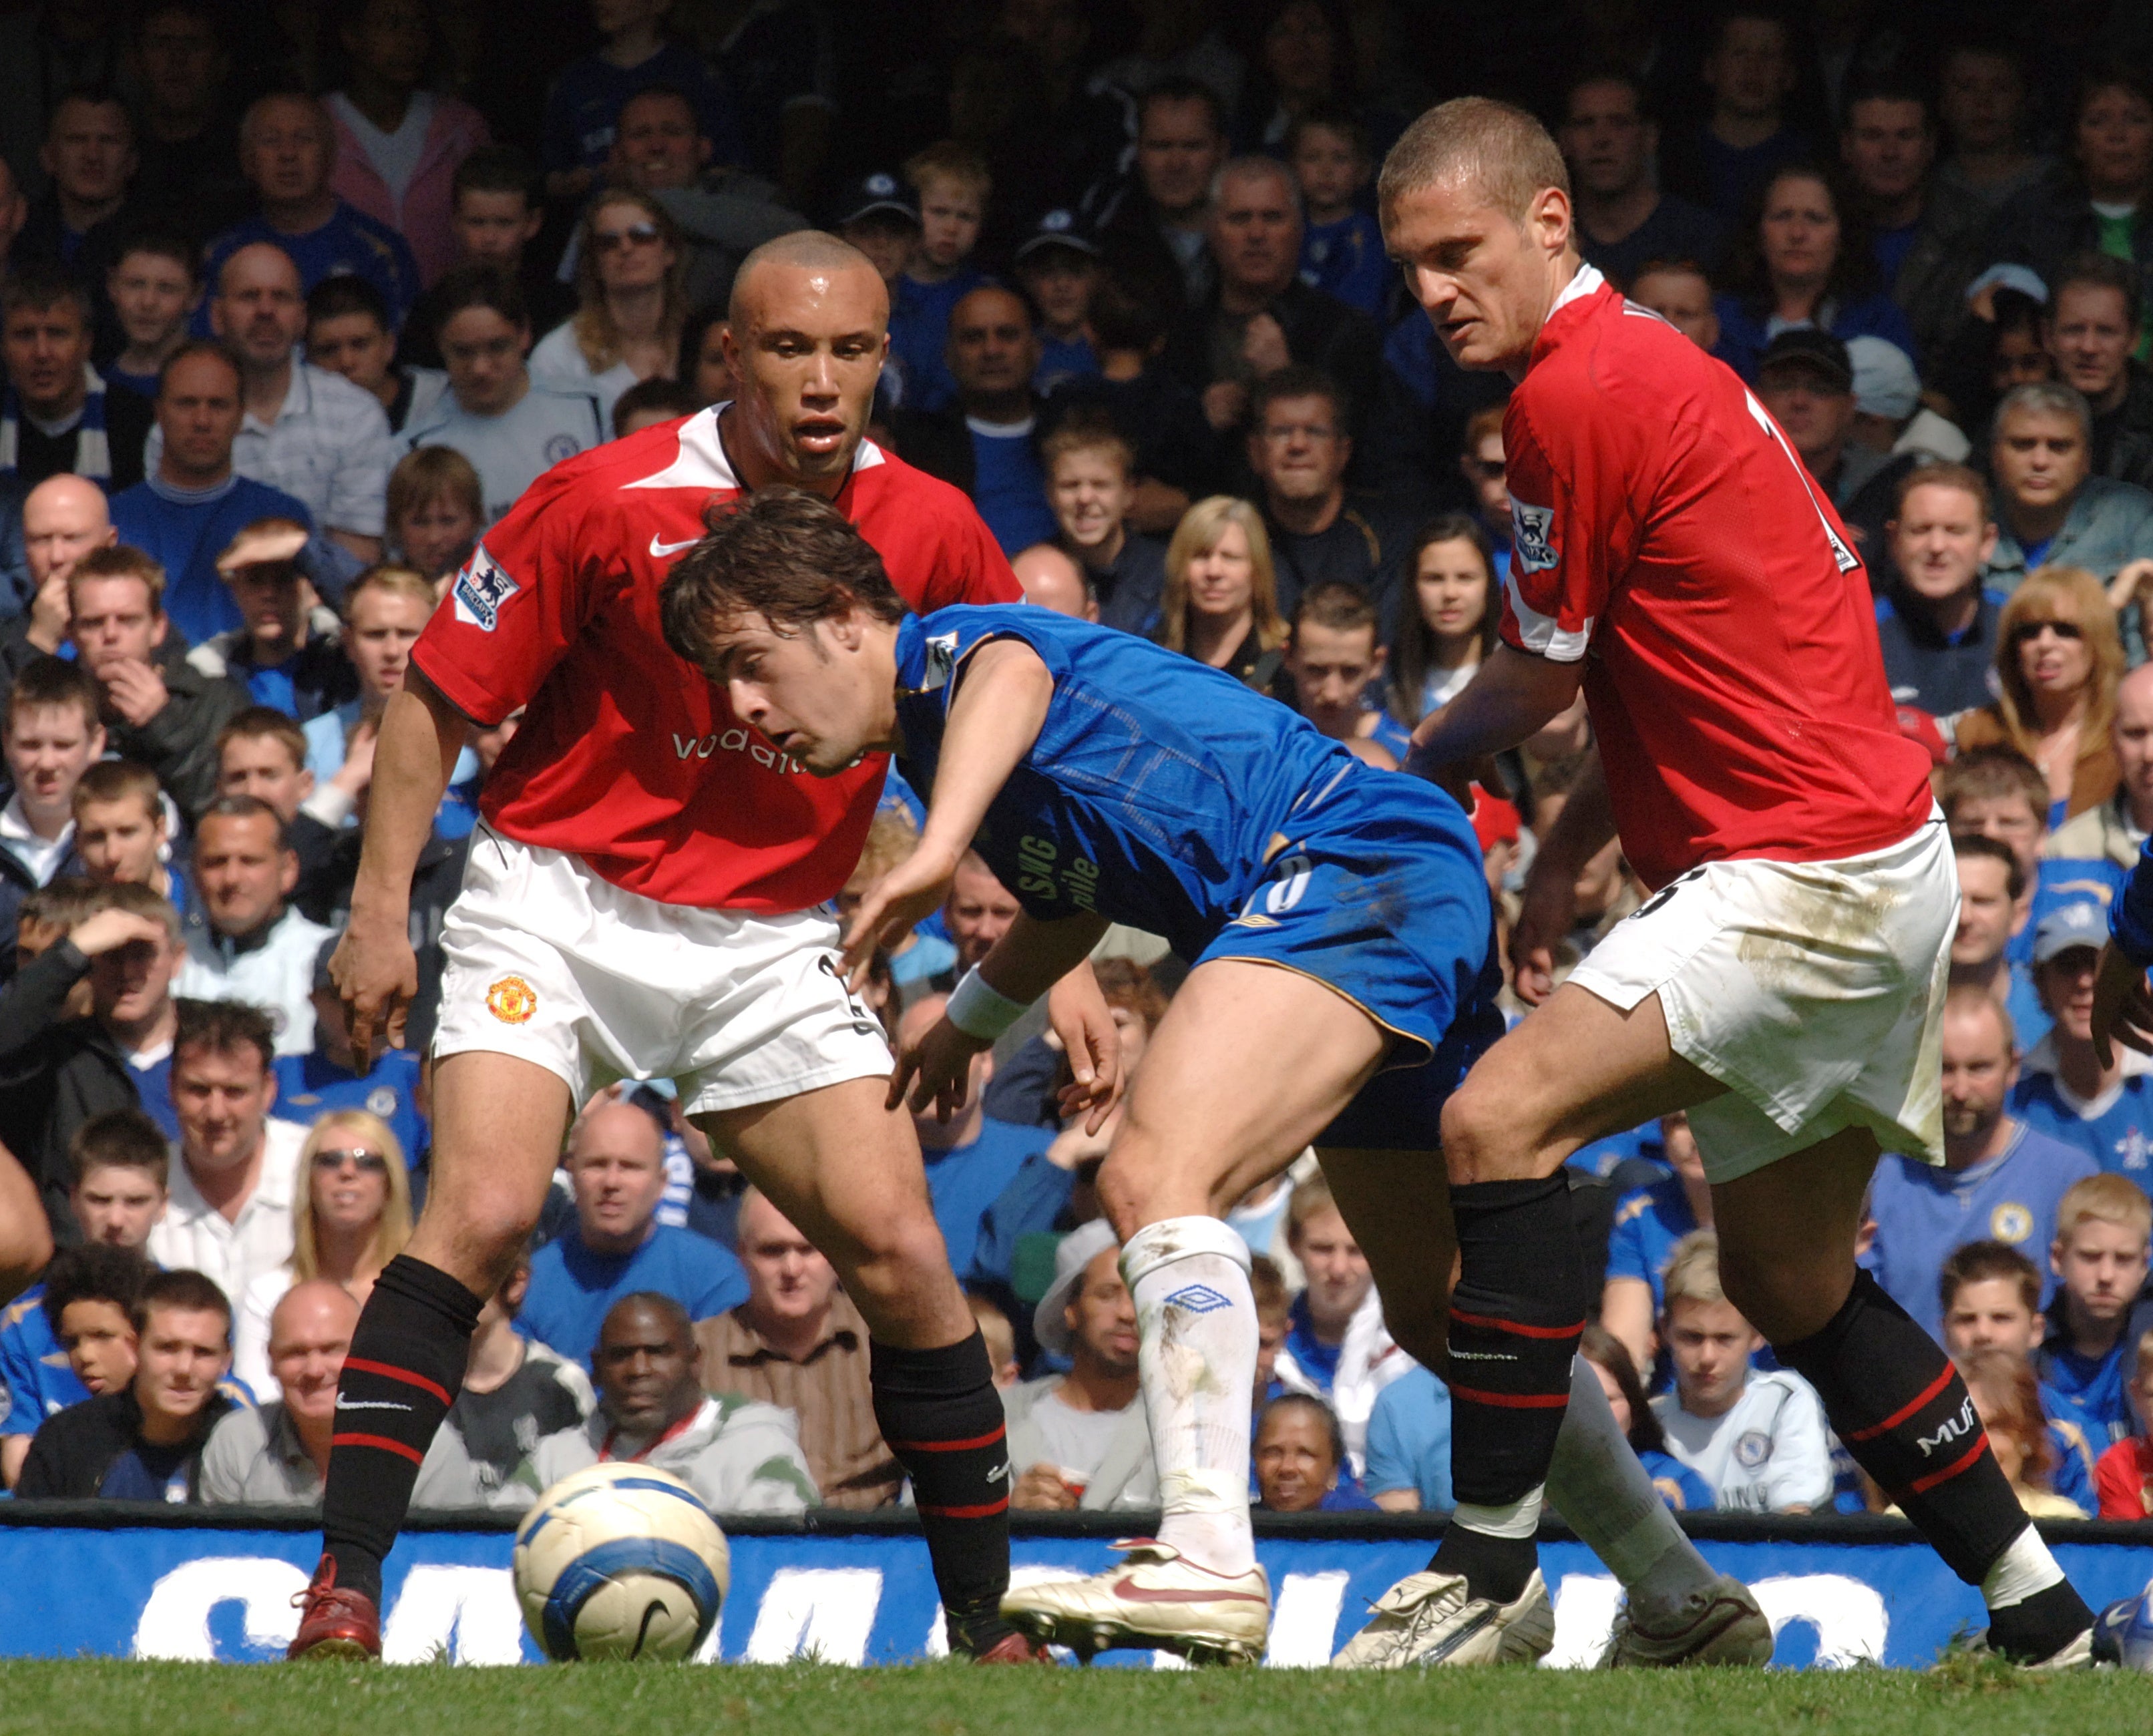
[(93, 453)]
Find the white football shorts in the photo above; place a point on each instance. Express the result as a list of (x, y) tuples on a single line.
[(550, 962), (1813, 991)]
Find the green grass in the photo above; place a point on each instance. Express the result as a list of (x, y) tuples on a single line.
[(1968, 1697)]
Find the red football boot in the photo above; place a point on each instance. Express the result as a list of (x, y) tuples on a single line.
[(333, 1623)]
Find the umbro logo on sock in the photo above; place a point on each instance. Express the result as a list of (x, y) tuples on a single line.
[(1198, 1299)]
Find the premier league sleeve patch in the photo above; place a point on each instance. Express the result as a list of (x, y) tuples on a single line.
[(481, 588), (1532, 536)]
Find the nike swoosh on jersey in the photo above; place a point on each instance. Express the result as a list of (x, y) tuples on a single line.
[(663, 549), (1134, 1593)]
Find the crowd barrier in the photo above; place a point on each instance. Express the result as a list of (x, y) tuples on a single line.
[(114, 1580)]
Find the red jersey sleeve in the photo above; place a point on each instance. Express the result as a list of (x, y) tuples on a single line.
[(1570, 529), (2120, 1478), (518, 604)]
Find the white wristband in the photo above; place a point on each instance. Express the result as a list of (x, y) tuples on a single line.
[(977, 1010)]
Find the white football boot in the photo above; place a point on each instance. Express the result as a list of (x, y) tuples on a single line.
[(1154, 1599), (1426, 1621)]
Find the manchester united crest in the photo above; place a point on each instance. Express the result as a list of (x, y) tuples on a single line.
[(511, 1001)]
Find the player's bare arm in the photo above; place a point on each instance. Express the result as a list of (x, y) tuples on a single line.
[(374, 969), (999, 708), (1512, 695)]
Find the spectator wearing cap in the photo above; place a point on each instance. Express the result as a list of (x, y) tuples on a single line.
[(287, 152), (1806, 378), (1624, 220), (324, 1080), (287, 653), (1935, 619), (1080, 1439), (2063, 1091), (2092, 329), (797, 1342), (2000, 1180), (1889, 415), (254, 946), (2115, 831), (617, 1246), (2052, 510), (512, 427), (194, 502), (143, 1442), (1260, 317), (1058, 265), (232, 1191)]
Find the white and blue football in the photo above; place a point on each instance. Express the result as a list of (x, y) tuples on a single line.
[(620, 1561)]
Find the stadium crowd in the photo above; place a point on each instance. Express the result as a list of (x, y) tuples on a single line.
[(298, 300)]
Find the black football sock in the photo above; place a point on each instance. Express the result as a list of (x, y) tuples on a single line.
[(1896, 1402), (405, 1368), (1515, 1319), (940, 1412)]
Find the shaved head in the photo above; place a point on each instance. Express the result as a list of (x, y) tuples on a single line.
[(1498, 151), (63, 519), (318, 1304), (815, 251)]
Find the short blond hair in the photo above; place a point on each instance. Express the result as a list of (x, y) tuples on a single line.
[(1692, 1274), (1501, 152), (2106, 1198), (396, 579)]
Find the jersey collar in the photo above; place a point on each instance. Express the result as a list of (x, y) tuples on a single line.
[(1587, 281), (699, 461)]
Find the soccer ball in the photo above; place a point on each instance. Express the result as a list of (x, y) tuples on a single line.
[(620, 1561)]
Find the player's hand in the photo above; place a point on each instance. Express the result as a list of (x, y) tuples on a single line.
[(109, 931), (915, 887), (1080, 1016), (137, 692), (1549, 908), (939, 1069), (376, 975), (2122, 1007)]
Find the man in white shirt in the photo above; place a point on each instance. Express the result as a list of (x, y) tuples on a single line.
[(255, 947), (1758, 1440), (51, 733), (308, 431), (512, 428), (230, 1214)]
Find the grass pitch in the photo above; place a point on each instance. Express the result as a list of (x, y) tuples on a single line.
[(1966, 1698)]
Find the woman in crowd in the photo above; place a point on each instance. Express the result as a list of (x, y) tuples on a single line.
[(1300, 1460), (630, 304), (1221, 601), (350, 1220), (1806, 261), (1681, 1487), (436, 508), (2059, 657), (2008, 1399), (1447, 621)]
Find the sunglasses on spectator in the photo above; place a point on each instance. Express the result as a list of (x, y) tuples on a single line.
[(636, 235), (2034, 629), (366, 1162)]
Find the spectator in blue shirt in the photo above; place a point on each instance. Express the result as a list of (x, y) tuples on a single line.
[(2099, 1259), (616, 1246), (1058, 264), (1648, 1222), (1342, 246), (312, 1085), (1935, 620), (287, 151), (582, 110), (286, 654), (1408, 1467), (950, 182), (1992, 1300), (1300, 1460), (1749, 71), (2063, 1091), (119, 1162), (2000, 1181), (970, 1158), (1679, 1486)]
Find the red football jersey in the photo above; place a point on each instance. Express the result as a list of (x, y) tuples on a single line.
[(627, 756), (1665, 530)]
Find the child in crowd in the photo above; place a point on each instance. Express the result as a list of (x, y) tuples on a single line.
[(122, 833), (348, 333), (1992, 1301), (951, 183), (1758, 1440), (649, 402), (2006, 1398), (1333, 661), (920, 962), (1649, 1223), (286, 651), (50, 734), (1680, 1487), (1447, 622), (1090, 485), (155, 286), (436, 508), (1058, 265), (1342, 246), (496, 213), (2124, 1476), (2100, 1258)]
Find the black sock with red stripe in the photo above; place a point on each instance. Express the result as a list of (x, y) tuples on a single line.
[(941, 1416), (1896, 1402), (1515, 1319), (405, 1368)]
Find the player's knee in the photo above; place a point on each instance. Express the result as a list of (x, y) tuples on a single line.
[(1480, 1136)]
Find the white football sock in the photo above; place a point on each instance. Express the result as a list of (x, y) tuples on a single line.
[(1602, 1493), (1196, 1326)]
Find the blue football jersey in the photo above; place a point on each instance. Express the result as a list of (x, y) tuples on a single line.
[(2115, 1129)]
